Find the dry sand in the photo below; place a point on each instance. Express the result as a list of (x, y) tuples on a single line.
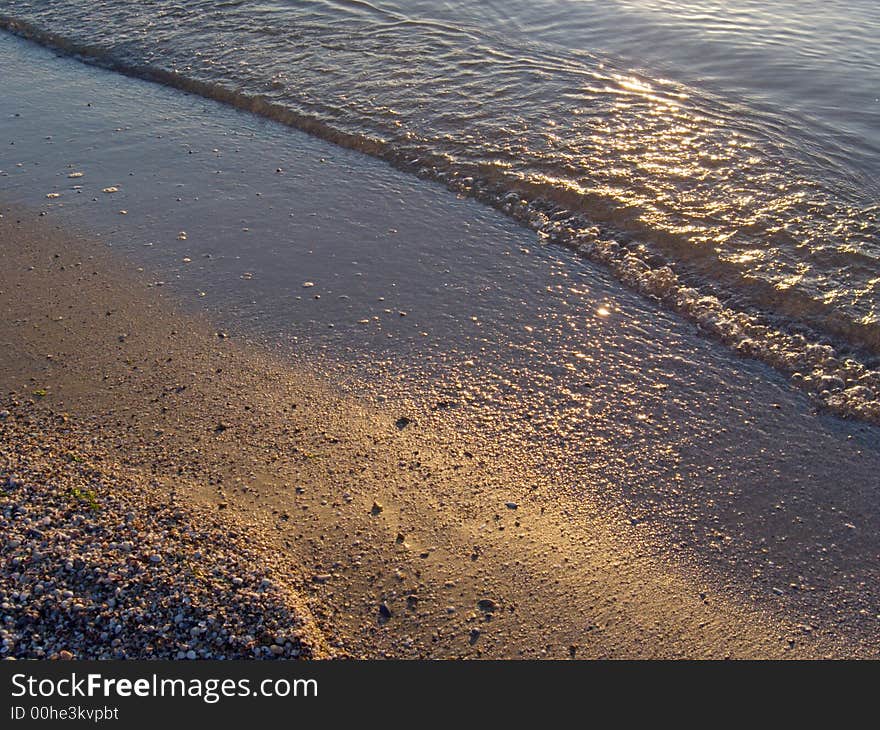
[(389, 534)]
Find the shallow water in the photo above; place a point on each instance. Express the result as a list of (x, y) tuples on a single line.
[(503, 332), (724, 149)]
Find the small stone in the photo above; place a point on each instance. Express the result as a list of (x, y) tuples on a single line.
[(190, 654), (156, 558), (511, 505), (376, 508), (276, 650), (65, 655), (384, 611), (487, 605), (402, 422)]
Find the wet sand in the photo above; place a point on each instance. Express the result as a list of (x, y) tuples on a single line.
[(403, 537)]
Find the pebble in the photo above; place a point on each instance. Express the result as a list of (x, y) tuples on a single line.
[(86, 598)]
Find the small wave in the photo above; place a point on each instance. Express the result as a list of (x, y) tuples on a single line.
[(768, 325)]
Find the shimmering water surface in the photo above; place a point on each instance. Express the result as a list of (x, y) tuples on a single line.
[(452, 311), (727, 150)]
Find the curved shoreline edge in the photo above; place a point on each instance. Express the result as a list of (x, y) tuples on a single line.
[(401, 541), (837, 377)]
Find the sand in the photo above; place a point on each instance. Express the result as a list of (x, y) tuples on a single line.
[(392, 535), (101, 565)]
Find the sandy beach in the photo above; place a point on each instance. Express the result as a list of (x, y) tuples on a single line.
[(392, 536), (263, 395)]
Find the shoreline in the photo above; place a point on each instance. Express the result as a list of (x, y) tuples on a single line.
[(831, 358), (404, 539)]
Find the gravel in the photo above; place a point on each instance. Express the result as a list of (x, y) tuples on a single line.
[(97, 563)]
